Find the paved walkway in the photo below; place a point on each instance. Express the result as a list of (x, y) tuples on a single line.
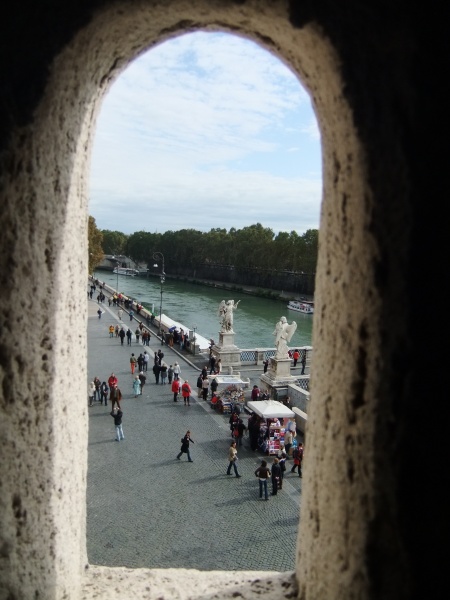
[(147, 509)]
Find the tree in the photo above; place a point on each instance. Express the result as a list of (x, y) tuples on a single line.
[(114, 242), (95, 240)]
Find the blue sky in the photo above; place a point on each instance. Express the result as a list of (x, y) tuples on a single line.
[(207, 130)]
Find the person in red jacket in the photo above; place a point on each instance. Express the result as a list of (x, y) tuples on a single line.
[(296, 356), (176, 387), (112, 381), (186, 393)]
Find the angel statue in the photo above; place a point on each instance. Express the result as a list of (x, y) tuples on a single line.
[(283, 334), (225, 312)]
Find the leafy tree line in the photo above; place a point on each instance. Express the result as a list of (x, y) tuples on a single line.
[(237, 255)]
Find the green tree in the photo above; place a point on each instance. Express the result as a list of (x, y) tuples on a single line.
[(114, 242), (95, 239)]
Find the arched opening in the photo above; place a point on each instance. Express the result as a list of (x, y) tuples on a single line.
[(167, 190)]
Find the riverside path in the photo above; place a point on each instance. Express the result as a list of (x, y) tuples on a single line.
[(147, 509)]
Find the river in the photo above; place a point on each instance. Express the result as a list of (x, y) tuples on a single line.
[(197, 305)]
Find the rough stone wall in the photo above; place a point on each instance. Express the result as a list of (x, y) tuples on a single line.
[(360, 61)]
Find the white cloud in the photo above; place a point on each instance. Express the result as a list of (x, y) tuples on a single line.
[(207, 130)]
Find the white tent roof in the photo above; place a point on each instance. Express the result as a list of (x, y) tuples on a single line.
[(270, 409)]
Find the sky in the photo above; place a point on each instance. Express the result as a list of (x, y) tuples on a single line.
[(206, 130)]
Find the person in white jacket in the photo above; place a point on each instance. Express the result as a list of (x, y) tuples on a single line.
[(176, 371), (91, 393)]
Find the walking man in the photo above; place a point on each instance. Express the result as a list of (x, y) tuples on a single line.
[(143, 379), (121, 335), (117, 415), (185, 441), (263, 472), (232, 459), (115, 396), (303, 361), (133, 361), (129, 336), (297, 455)]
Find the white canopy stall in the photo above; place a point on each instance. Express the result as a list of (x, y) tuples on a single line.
[(272, 409)]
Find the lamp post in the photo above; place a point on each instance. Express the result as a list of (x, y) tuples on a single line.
[(160, 256), (194, 327)]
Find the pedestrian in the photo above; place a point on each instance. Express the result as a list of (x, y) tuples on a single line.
[(241, 428), (137, 386), (137, 333), (91, 393), (186, 393), (115, 396), (163, 373), (176, 387), (185, 441), (116, 330), (297, 455), (120, 313), (205, 386), (199, 385), (283, 468), (140, 362), (212, 364), (156, 372), (214, 386), (146, 359), (255, 393), (129, 336), (160, 356), (142, 379), (117, 415), (296, 356), (131, 313), (170, 374), (99, 312), (263, 472), (111, 331), (232, 459), (176, 371), (288, 441), (276, 476), (133, 361), (97, 384), (266, 365), (104, 393), (303, 361), (121, 335), (204, 372), (112, 380)]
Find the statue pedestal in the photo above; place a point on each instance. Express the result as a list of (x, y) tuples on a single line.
[(278, 375), (227, 351)]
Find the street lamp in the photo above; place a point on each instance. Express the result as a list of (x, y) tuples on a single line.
[(117, 274), (194, 327), (160, 256)]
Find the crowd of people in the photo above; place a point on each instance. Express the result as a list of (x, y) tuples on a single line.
[(108, 392)]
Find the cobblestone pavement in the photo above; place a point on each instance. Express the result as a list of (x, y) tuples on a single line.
[(147, 509)]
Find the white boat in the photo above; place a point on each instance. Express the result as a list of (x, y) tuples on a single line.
[(125, 271), (303, 307)]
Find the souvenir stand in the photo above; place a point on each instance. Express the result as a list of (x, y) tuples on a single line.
[(274, 414), (226, 399)]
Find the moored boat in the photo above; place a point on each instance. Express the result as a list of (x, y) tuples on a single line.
[(125, 271), (303, 307)]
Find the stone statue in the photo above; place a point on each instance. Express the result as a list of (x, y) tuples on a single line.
[(225, 312), (283, 333)]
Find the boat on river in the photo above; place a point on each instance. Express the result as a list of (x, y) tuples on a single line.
[(303, 307), (125, 271)]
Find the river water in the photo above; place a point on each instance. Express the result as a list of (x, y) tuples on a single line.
[(197, 305)]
